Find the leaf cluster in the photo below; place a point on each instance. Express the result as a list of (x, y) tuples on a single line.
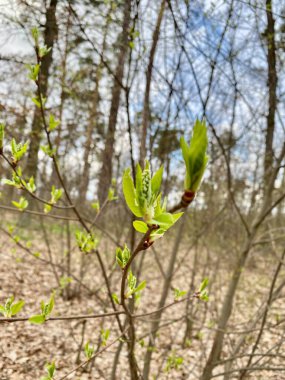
[(86, 241), (195, 156), (46, 309), (22, 204), (18, 150), (11, 308), (144, 200)]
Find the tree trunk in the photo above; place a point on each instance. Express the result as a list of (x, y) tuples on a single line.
[(105, 176), (272, 87), (50, 34), (93, 118), (146, 110)]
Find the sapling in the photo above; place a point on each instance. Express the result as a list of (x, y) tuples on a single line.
[(143, 198)]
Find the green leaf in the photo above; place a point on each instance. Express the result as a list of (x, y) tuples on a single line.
[(116, 298), (50, 304), (47, 150), (56, 194), (17, 307), (2, 309), (47, 208), (195, 156), (31, 185), (167, 220), (140, 226), (35, 35), (123, 256), (177, 216), (130, 193), (96, 206), (141, 286), (164, 220), (37, 319), (179, 293), (86, 242), (18, 150), (105, 336), (37, 101), (132, 280), (88, 350), (44, 50), (22, 204), (111, 195), (51, 369), (53, 123), (203, 292), (156, 181), (204, 284), (34, 72)]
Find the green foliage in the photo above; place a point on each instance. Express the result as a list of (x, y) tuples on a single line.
[(48, 150), (64, 281), (39, 101), (18, 182), (173, 362), (105, 336), (33, 71), (164, 221), (11, 308), (88, 350), (123, 256), (46, 309), (22, 204), (111, 195), (53, 123), (16, 179), (41, 50), (85, 241), (132, 281), (35, 35), (179, 293), (56, 194), (195, 156), (116, 298), (30, 186), (144, 201), (44, 50), (50, 368), (18, 150), (203, 292), (96, 206)]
